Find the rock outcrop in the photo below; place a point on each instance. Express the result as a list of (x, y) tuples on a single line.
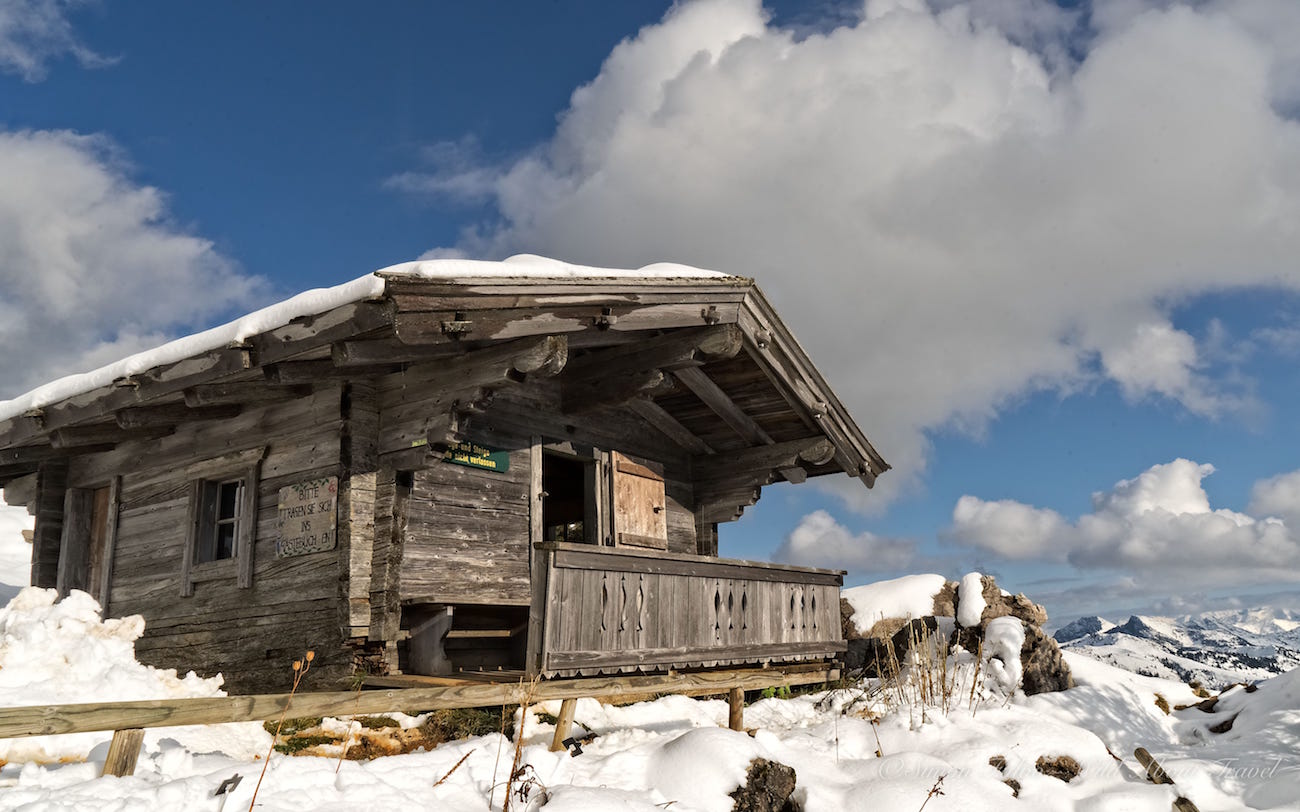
[(767, 788), (879, 649)]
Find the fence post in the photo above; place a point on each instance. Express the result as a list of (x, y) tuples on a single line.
[(123, 751), (563, 723), (736, 709)]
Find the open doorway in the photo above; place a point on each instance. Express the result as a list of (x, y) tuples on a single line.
[(569, 504)]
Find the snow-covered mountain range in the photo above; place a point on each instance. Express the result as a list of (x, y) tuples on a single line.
[(1216, 649)]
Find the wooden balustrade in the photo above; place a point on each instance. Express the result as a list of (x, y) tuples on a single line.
[(619, 610)]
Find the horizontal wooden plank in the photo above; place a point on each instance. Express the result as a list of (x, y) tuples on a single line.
[(648, 542), (47, 720), (650, 657), (566, 554), (168, 415), (442, 326)]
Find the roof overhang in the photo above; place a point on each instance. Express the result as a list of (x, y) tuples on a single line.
[(708, 398)]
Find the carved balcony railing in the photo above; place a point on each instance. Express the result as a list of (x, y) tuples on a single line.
[(598, 610)]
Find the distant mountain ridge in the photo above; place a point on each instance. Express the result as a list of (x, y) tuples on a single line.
[(1214, 648)]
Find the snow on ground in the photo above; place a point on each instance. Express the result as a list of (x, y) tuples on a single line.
[(15, 551), (869, 747), (861, 748), (63, 652), (909, 596)]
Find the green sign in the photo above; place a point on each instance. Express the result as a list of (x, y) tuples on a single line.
[(477, 456)]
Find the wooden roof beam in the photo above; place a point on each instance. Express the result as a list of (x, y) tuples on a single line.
[(169, 415), (77, 437), (722, 405), (387, 350), (590, 394), (241, 393), (294, 373), (11, 473), (667, 425), (21, 491), (726, 408), (32, 454), (804, 388), (668, 351), (755, 465), (506, 362), (726, 505)]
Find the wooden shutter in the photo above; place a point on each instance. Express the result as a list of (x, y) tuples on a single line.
[(640, 509)]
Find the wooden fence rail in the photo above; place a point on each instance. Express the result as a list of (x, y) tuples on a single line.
[(126, 716)]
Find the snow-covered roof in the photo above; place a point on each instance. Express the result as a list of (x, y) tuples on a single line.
[(320, 300), (531, 266)]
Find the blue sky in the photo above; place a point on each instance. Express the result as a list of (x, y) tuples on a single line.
[(1039, 249)]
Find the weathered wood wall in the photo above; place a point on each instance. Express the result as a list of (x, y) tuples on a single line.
[(467, 533), (250, 635), (467, 530)]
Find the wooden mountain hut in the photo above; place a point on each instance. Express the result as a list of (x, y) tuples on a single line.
[(444, 467)]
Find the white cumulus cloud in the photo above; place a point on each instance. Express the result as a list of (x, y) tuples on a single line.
[(34, 32), (1160, 525), (91, 268), (820, 541), (1278, 496), (952, 203)]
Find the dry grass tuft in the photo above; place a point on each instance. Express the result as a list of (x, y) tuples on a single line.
[(300, 669)]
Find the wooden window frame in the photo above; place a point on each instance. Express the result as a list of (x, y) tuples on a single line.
[(211, 522), (197, 562), (600, 489), (595, 488)]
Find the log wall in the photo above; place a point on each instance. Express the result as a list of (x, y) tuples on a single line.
[(250, 635)]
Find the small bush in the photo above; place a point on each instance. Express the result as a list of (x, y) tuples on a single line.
[(294, 744), (292, 726), (461, 723), (1162, 703)]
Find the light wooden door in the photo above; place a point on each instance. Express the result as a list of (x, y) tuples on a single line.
[(640, 507)]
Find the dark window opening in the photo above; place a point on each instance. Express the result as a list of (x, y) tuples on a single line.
[(569, 503), (220, 520)]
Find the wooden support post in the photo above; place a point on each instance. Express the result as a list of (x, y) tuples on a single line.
[(123, 751), (563, 724), (736, 709)]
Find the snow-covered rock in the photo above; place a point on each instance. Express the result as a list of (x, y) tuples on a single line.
[(959, 614), (906, 597), (970, 600)]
